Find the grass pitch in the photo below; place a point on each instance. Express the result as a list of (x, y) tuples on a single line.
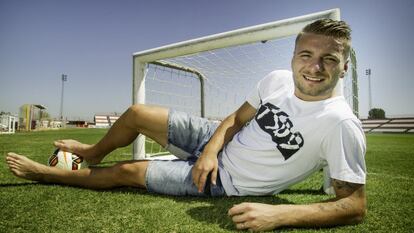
[(30, 207)]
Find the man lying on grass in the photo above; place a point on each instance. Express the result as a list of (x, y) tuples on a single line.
[(290, 126)]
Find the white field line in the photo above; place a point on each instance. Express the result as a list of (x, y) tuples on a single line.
[(391, 176), (163, 156)]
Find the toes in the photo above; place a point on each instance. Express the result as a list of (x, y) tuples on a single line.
[(12, 167), (13, 170), (13, 157), (11, 154), (58, 143), (16, 172), (12, 162)]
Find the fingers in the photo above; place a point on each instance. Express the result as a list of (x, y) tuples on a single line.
[(58, 143), (65, 145), (63, 142), (242, 226), (202, 181), (238, 209), (196, 177), (241, 221), (201, 170), (239, 215), (241, 218), (200, 178), (214, 176)]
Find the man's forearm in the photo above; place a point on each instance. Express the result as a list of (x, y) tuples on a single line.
[(348, 207), (224, 133), (207, 163), (262, 217), (330, 213), (229, 127)]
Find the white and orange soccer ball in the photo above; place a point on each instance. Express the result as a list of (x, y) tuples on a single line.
[(66, 160)]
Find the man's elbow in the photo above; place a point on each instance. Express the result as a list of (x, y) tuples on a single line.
[(358, 217), (358, 214), (361, 214)]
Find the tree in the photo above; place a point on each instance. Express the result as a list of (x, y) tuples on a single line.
[(376, 113), (5, 113)]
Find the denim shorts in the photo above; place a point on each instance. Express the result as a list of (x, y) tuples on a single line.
[(187, 136)]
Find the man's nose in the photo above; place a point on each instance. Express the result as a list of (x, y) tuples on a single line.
[(315, 66)]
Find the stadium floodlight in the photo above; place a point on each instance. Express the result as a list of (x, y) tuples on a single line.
[(211, 76), (64, 79), (368, 73)]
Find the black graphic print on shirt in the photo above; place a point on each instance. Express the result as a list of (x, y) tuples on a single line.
[(278, 125)]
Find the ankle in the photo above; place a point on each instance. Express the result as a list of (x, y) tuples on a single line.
[(41, 173), (96, 150)]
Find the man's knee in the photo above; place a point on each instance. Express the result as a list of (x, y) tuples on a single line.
[(148, 119), (137, 109), (131, 173), (136, 114)]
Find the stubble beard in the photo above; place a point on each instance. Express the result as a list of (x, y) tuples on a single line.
[(320, 90)]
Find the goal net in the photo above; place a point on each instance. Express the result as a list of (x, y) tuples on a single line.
[(211, 76)]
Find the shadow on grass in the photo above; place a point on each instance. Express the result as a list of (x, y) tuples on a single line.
[(216, 213), (19, 184), (304, 191)]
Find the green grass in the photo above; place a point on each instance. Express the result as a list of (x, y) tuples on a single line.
[(30, 207)]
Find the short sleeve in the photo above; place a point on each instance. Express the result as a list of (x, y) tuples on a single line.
[(253, 98), (344, 149), (278, 81)]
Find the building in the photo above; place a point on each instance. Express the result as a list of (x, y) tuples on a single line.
[(31, 116), (105, 120)]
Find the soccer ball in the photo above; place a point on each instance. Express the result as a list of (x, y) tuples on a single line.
[(66, 160)]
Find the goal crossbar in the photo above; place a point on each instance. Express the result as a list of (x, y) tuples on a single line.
[(262, 32)]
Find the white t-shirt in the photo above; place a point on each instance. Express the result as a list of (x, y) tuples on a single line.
[(289, 139)]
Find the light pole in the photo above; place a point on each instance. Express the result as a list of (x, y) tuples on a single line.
[(64, 79), (368, 72)]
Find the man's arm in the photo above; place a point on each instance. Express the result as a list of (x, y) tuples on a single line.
[(348, 207), (207, 161)]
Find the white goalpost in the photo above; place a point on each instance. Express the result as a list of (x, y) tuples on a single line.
[(211, 76), (8, 124)]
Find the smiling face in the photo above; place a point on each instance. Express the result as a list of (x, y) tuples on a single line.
[(317, 64)]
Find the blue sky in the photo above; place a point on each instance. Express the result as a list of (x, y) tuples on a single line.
[(93, 42)]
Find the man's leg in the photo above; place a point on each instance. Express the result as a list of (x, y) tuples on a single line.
[(138, 119), (128, 173)]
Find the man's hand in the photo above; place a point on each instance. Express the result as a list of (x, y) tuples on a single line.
[(348, 207), (256, 216), (206, 163)]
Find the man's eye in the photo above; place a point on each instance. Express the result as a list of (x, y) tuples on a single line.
[(305, 56), (330, 60)]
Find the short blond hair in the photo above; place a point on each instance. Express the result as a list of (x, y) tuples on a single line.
[(329, 27)]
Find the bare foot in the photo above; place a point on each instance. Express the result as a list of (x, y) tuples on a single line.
[(25, 168), (86, 151)]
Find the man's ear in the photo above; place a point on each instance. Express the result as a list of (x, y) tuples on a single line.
[(345, 69)]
